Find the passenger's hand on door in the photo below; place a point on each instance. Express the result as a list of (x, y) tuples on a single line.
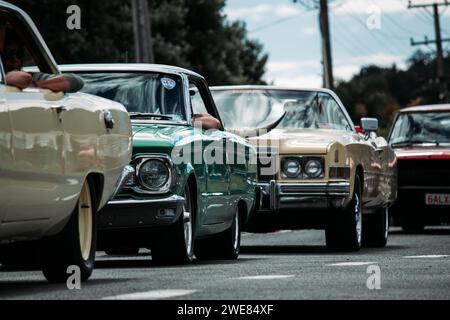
[(19, 79)]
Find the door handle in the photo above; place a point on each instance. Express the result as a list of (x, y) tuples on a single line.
[(59, 109), (109, 120)]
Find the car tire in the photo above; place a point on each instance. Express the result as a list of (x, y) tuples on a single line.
[(175, 244), (376, 229), (122, 250), (76, 244), (344, 229), (225, 246)]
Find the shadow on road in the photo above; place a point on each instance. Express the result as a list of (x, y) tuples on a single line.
[(426, 232), (112, 263), (311, 249), (284, 249)]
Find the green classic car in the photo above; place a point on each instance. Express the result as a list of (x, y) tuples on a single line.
[(192, 189)]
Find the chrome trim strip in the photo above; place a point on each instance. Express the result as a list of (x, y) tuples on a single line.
[(273, 191), (127, 172), (425, 187), (173, 198)]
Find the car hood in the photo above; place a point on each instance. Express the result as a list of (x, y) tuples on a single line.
[(313, 141), (157, 134), (416, 153)]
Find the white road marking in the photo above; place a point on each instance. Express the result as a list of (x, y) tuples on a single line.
[(350, 264), (429, 256), (151, 295), (267, 277)]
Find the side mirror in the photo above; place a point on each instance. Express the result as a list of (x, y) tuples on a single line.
[(369, 124)]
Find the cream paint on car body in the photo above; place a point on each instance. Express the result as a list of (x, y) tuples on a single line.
[(372, 154), (49, 143)]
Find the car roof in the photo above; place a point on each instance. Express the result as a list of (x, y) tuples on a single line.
[(427, 108), (269, 87), (126, 67)]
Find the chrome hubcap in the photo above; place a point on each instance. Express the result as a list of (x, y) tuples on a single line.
[(358, 217), (187, 223), (386, 230), (236, 231), (85, 222)]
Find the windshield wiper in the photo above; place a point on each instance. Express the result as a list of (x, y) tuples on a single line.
[(412, 142), (134, 115)]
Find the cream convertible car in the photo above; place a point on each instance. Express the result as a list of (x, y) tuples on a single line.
[(316, 170), (62, 157)]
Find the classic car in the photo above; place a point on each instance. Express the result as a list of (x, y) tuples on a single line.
[(62, 157), (420, 137), (315, 168), (179, 202)]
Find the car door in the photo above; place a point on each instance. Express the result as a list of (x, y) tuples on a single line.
[(217, 191), (36, 141), (6, 155), (37, 144), (384, 156), (364, 150)]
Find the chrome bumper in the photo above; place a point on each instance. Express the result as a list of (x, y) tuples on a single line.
[(305, 195), (131, 213), (127, 172)]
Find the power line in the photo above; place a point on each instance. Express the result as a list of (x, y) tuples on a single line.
[(372, 34), (441, 81), (276, 22)]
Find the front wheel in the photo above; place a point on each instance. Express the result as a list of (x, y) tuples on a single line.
[(344, 229), (225, 246), (75, 245), (376, 228), (175, 244)]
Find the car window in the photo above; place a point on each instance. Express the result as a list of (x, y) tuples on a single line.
[(197, 102), (259, 108), (19, 47), (421, 127), (147, 93), (331, 116)]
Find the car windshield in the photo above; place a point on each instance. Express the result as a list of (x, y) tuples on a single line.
[(421, 128), (144, 95), (254, 109)]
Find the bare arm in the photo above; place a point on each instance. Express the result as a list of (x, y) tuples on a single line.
[(18, 79), (207, 121), (64, 83)]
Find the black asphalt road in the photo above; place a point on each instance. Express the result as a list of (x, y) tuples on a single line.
[(282, 265)]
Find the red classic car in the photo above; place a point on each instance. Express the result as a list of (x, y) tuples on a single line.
[(420, 137)]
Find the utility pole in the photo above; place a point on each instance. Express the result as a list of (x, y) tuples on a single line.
[(328, 80), (143, 41), (322, 5), (440, 73)]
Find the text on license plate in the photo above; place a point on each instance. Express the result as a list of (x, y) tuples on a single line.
[(437, 199)]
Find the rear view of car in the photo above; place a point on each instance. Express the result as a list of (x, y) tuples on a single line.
[(420, 137)]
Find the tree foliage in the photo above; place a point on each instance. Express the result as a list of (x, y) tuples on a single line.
[(380, 92), (194, 34)]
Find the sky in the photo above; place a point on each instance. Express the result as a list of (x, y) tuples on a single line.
[(363, 32)]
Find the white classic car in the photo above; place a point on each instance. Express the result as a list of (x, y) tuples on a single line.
[(62, 158)]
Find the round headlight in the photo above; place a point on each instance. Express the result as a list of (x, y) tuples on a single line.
[(153, 174), (313, 168), (292, 168)]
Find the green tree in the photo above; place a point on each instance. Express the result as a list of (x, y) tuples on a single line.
[(194, 34)]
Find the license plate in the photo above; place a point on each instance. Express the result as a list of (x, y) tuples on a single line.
[(437, 199)]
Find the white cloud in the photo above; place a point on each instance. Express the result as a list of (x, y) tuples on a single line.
[(307, 73), (262, 11), (304, 73), (346, 68)]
